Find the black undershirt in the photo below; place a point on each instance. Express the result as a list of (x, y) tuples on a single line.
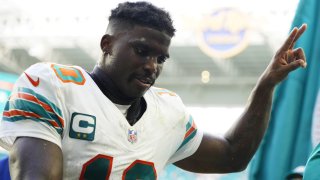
[(108, 88)]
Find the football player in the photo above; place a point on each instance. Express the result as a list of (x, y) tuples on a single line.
[(64, 123)]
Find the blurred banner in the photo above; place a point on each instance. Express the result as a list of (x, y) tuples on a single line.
[(287, 143), (224, 33)]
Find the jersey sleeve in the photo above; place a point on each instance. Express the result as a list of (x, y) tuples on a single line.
[(190, 140), (34, 108)]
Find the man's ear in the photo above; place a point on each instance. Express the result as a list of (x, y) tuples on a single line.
[(105, 43)]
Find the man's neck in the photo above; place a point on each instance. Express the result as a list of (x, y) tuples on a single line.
[(137, 105), (108, 87)]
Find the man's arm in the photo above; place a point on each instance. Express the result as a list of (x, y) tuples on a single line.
[(35, 159), (234, 151)]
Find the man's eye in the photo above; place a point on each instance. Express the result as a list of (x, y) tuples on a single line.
[(141, 52), (162, 59)]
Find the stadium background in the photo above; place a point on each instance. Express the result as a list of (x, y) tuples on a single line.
[(215, 87)]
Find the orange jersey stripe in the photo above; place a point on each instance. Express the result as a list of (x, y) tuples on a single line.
[(37, 101), (33, 99), (61, 121), (20, 113), (27, 114), (54, 124), (192, 128)]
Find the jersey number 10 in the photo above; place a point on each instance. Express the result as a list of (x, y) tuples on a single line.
[(100, 167)]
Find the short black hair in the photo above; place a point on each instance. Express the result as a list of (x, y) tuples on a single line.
[(144, 14)]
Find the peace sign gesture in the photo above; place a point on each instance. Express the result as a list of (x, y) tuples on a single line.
[(286, 58)]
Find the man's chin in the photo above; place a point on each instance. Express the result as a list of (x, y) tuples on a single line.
[(139, 93)]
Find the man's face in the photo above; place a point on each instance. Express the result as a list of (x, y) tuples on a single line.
[(136, 58)]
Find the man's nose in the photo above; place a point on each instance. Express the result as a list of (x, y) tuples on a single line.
[(151, 64)]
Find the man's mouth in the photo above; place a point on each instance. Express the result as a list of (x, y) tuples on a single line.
[(146, 81)]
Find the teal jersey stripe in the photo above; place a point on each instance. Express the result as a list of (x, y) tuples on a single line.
[(191, 135), (189, 124), (42, 99), (25, 105), (186, 140), (6, 107), (28, 106), (19, 118)]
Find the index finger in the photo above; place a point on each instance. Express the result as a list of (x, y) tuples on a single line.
[(300, 32), (290, 40)]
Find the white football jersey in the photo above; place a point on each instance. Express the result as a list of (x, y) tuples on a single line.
[(63, 105)]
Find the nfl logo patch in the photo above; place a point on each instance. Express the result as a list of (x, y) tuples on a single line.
[(132, 136)]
